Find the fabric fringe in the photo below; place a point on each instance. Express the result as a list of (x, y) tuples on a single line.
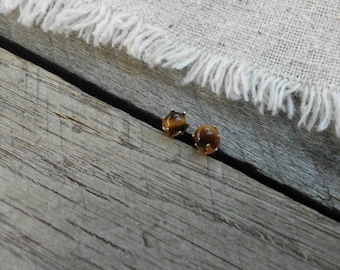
[(319, 104)]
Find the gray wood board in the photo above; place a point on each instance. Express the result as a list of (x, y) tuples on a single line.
[(84, 185), (308, 162)]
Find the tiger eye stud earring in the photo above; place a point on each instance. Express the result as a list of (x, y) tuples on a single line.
[(174, 124), (207, 140)]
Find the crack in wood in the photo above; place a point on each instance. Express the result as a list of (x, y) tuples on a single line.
[(55, 228), (87, 188), (73, 119), (115, 246)]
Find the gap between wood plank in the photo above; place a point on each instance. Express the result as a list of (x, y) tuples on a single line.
[(155, 121)]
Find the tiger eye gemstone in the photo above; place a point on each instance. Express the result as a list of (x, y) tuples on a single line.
[(207, 140), (174, 124)]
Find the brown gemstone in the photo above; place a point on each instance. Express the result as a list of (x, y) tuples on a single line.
[(207, 139), (174, 124)]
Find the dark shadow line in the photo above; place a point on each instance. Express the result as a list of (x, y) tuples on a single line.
[(155, 121)]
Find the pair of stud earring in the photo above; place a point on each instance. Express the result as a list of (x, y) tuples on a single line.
[(206, 137)]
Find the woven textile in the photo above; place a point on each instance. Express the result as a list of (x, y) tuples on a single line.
[(279, 55)]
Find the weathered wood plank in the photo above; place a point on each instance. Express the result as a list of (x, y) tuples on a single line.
[(308, 162), (86, 186)]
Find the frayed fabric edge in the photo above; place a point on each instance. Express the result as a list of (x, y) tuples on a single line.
[(319, 104)]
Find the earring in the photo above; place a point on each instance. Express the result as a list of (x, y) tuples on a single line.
[(174, 124), (207, 140)]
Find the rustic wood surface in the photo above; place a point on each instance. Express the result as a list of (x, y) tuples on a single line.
[(307, 162), (84, 185)]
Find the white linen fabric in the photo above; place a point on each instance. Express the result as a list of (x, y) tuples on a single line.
[(279, 55)]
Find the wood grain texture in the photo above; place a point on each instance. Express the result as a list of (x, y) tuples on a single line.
[(308, 162), (86, 186)]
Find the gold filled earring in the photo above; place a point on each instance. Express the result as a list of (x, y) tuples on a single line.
[(174, 124), (207, 140)]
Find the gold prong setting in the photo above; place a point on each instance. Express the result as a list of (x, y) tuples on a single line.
[(207, 140), (174, 124)]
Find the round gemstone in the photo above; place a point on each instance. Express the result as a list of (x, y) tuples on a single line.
[(174, 124), (207, 140)]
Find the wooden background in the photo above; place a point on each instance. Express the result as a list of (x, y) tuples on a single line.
[(84, 185), (307, 162)]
